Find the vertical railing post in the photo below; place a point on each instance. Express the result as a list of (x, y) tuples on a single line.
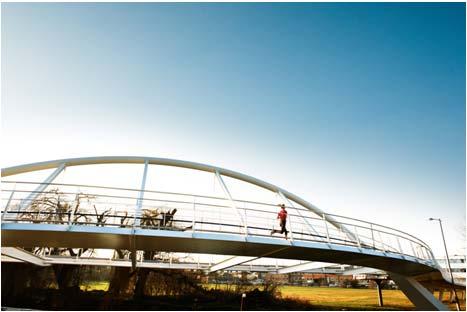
[(399, 244), (70, 216), (8, 203), (341, 232), (72, 212), (372, 235), (421, 253), (413, 249), (291, 228), (56, 214), (193, 222), (327, 229), (417, 252), (139, 202), (358, 238), (425, 254), (202, 221), (432, 256), (246, 220), (381, 240)]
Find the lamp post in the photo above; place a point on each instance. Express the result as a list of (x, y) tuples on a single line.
[(449, 262), (241, 302)]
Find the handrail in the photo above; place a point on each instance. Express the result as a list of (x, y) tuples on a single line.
[(384, 226), (363, 225), (248, 209), (200, 196), (225, 206), (336, 240)]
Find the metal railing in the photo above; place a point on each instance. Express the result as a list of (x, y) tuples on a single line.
[(76, 204)]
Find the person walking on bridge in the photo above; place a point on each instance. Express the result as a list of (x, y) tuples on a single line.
[(282, 216)]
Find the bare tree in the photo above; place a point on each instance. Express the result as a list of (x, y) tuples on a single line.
[(120, 279), (56, 207)]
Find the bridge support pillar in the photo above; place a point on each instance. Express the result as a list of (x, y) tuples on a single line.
[(380, 295), (419, 295)]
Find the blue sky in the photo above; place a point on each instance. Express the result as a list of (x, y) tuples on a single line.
[(358, 108)]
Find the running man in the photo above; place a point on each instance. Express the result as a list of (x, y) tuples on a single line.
[(282, 216)]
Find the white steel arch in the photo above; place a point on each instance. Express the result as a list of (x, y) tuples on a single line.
[(69, 162)]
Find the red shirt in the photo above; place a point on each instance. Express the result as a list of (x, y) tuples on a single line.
[(282, 214)]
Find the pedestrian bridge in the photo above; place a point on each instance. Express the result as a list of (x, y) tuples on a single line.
[(51, 214)]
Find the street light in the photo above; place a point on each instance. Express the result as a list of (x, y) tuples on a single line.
[(241, 302), (449, 262)]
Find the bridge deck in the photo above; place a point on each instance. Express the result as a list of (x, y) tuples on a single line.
[(50, 235)]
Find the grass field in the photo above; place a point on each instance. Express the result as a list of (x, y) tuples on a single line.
[(342, 298), (95, 286), (325, 297), (362, 299)]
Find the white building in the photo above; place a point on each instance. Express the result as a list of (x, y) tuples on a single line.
[(458, 266)]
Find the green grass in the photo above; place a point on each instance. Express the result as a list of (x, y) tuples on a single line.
[(90, 286), (362, 299), (326, 298), (340, 298), (365, 299)]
